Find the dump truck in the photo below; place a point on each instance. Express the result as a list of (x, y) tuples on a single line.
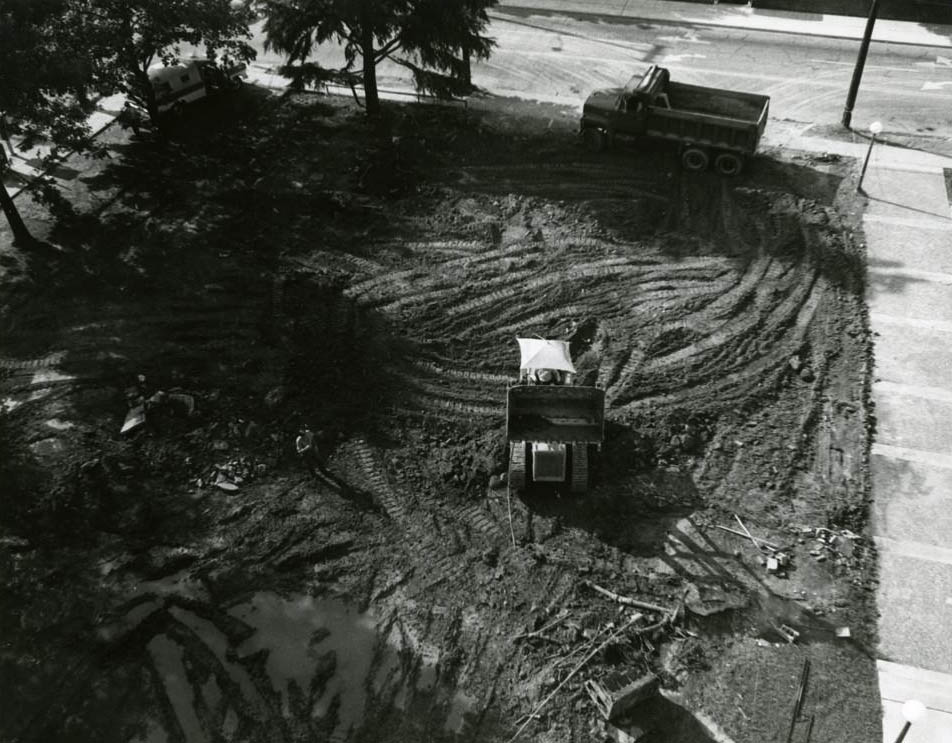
[(551, 423), (192, 79), (713, 126)]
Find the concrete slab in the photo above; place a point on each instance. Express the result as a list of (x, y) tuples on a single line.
[(895, 246), (915, 602), (911, 501), (905, 194), (913, 422), (911, 298), (914, 356)]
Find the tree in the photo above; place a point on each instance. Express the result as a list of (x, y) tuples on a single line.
[(42, 85), (435, 39), (126, 37)]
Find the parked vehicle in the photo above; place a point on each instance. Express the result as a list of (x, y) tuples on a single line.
[(550, 422), (714, 126), (192, 79)]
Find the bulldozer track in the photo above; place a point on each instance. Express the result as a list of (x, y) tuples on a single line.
[(440, 370), (379, 484), (42, 362)]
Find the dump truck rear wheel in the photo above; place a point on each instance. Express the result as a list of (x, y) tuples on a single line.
[(517, 465), (727, 163), (594, 139), (695, 159), (579, 468)]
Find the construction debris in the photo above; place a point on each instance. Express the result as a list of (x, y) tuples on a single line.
[(617, 694), (134, 418), (630, 601)]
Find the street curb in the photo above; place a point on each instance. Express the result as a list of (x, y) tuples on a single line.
[(639, 16)]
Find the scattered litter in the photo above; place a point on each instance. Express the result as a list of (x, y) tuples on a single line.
[(788, 633), (134, 418), (773, 565), (843, 632)]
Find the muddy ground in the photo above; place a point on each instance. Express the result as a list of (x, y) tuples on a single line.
[(281, 262)]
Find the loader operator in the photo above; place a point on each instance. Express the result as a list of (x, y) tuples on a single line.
[(307, 450)]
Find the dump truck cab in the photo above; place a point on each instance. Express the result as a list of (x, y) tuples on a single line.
[(550, 422), (624, 111)]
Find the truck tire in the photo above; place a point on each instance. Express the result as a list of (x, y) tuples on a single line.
[(695, 159), (517, 465), (594, 139), (728, 163), (579, 468)]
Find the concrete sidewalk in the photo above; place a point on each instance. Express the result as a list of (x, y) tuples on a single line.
[(908, 228), (740, 16)]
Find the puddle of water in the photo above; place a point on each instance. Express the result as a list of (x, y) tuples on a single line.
[(460, 705), (167, 657), (285, 629), (217, 642), (47, 376), (59, 425)]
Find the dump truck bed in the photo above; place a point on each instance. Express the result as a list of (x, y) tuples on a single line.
[(555, 413), (721, 118)]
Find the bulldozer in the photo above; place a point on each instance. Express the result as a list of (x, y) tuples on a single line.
[(551, 423)]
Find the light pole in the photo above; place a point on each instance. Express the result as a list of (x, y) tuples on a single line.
[(912, 711), (860, 63), (874, 128)]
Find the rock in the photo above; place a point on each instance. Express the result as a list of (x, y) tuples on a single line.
[(706, 600), (806, 374), (276, 396)]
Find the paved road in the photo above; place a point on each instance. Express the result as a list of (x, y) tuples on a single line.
[(561, 59)]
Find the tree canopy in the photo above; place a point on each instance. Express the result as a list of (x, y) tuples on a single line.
[(43, 83), (435, 39)]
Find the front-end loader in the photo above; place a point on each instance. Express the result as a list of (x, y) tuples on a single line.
[(551, 423)]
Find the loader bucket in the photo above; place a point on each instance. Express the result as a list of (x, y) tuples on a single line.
[(555, 413)]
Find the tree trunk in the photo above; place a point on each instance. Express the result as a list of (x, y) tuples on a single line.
[(467, 68), (148, 95), (21, 235), (370, 70)]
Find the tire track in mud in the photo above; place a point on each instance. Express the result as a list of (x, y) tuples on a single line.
[(430, 554)]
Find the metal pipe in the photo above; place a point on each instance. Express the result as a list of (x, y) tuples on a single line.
[(860, 63), (902, 733), (862, 173)]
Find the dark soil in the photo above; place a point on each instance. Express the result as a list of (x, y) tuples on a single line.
[(282, 262)]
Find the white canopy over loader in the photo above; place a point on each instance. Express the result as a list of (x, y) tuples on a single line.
[(544, 354)]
